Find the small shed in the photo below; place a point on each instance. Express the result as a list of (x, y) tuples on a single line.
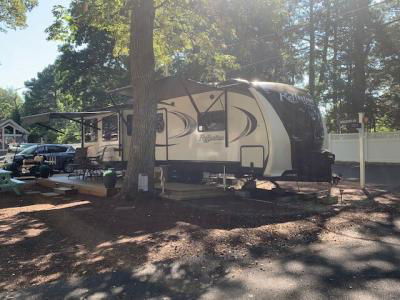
[(11, 132)]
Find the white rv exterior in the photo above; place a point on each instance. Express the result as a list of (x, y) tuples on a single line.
[(181, 139), (97, 142), (236, 128)]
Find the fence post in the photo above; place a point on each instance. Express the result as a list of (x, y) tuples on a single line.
[(330, 142), (366, 138), (362, 153)]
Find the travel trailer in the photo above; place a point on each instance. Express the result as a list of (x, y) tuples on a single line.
[(261, 129)]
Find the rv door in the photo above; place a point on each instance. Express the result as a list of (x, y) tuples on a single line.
[(162, 135)]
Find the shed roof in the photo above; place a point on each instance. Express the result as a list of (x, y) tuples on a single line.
[(6, 122)]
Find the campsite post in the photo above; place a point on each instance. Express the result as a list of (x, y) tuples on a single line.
[(82, 134), (362, 153)]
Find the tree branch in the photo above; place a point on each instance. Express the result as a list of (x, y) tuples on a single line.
[(391, 22), (161, 4)]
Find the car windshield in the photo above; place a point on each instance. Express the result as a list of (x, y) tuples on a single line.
[(23, 147), (28, 151)]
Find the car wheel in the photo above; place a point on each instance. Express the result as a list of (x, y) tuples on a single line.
[(15, 170), (68, 168)]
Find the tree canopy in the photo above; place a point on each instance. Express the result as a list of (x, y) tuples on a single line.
[(10, 105), (345, 52), (13, 13)]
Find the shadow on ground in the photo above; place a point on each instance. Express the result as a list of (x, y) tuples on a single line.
[(82, 247)]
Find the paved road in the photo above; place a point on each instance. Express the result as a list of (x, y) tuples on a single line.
[(358, 263), (375, 174)]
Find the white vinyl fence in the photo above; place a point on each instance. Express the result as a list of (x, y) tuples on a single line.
[(380, 147)]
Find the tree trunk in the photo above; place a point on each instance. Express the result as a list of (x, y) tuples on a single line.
[(324, 65), (311, 69), (335, 75), (141, 154), (359, 56)]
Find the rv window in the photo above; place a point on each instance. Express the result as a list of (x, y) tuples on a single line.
[(212, 121), (129, 120), (90, 130), (110, 128)]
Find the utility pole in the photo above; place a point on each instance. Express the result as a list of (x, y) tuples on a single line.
[(362, 152)]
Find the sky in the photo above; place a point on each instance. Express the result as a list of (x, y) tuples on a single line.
[(25, 52)]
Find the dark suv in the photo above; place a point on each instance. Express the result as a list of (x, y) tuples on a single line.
[(61, 154)]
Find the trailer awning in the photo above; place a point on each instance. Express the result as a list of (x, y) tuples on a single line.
[(175, 87), (170, 87), (47, 117)]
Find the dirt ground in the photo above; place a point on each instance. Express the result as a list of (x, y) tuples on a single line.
[(65, 238)]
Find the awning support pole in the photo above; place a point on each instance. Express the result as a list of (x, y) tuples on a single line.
[(215, 101), (125, 121), (50, 128), (191, 98), (226, 119)]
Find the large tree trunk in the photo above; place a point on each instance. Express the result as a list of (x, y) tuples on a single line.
[(311, 69), (324, 66), (359, 56), (141, 155), (335, 73)]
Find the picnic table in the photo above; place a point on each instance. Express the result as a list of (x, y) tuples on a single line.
[(9, 184)]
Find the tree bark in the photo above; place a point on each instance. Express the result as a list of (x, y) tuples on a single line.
[(311, 69), (324, 65), (335, 75), (141, 154), (359, 56)]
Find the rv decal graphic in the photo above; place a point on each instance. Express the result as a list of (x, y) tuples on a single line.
[(251, 125), (206, 138), (189, 124), (292, 98), (308, 103)]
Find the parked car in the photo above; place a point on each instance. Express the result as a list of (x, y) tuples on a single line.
[(16, 148), (13, 149), (63, 155)]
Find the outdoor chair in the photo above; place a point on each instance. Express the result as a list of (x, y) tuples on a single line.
[(81, 165), (87, 166), (97, 164)]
